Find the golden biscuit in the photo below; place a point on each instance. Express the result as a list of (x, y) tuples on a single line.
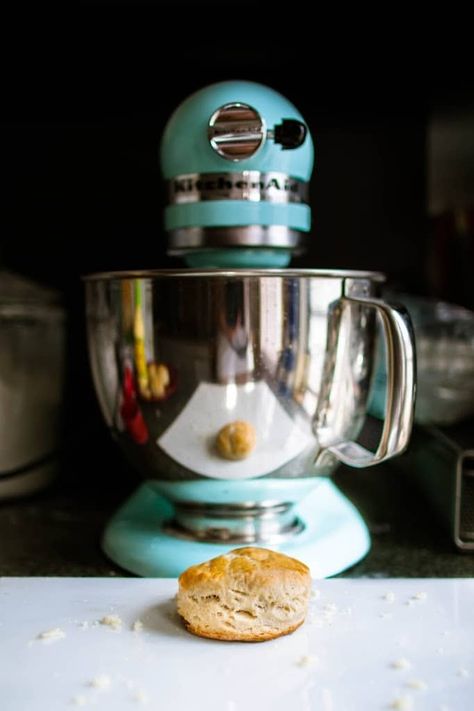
[(236, 440), (248, 595)]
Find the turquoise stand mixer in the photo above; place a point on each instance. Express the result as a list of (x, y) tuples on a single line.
[(237, 338)]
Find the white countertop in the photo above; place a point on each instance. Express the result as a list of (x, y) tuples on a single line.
[(367, 644)]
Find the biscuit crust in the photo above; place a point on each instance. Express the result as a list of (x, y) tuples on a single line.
[(236, 637)]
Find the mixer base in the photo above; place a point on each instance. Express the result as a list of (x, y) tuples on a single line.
[(334, 536)]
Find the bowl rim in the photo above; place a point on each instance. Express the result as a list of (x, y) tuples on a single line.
[(186, 273)]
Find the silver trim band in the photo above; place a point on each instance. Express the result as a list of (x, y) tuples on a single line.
[(246, 508), (187, 273), (250, 534), (235, 523), (251, 185), (271, 236)]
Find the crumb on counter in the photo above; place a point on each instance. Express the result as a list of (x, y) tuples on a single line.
[(79, 700), (140, 696), (417, 684), (420, 596), (101, 681), (52, 635), (389, 597), (401, 663), (307, 660), (315, 594), (113, 621), (402, 703), (137, 626)]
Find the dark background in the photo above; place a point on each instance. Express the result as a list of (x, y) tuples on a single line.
[(88, 87)]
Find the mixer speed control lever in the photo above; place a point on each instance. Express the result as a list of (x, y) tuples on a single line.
[(289, 134)]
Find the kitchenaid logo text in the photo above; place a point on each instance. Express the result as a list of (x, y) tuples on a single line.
[(252, 185), (189, 185)]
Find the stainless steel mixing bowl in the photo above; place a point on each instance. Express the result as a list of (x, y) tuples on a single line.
[(176, 355)]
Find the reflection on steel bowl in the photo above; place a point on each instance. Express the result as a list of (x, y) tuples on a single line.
[(290, 352)]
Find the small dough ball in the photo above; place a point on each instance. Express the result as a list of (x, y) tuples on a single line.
[(247, 595), (236, 440)]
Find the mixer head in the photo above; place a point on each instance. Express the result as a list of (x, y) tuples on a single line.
[(237, 157)]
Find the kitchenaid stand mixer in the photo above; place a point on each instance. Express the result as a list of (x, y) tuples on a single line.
[(177, 354)]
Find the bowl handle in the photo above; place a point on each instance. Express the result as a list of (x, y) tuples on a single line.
[(400, 399)]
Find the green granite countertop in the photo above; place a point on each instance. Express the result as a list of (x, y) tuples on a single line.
[(57, 532)]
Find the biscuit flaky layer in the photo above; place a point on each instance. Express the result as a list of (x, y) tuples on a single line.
[(248, 594)]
